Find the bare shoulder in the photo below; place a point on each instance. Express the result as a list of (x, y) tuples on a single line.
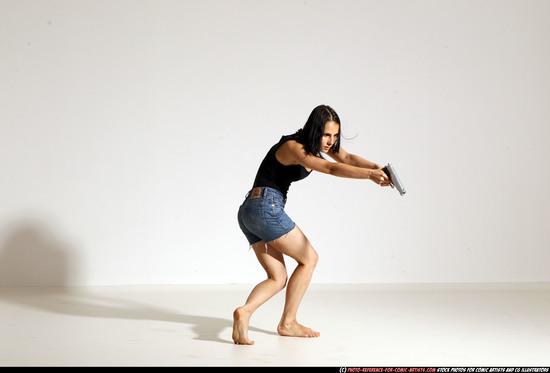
[(293, 153), (290, 152)]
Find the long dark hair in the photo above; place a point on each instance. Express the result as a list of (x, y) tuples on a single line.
[(312, 132)]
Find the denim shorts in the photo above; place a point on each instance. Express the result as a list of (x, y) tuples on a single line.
[(262, 216)]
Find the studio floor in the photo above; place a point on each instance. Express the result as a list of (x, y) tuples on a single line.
[(361, 325)]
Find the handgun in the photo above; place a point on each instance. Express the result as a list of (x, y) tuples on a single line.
[(392, 174)]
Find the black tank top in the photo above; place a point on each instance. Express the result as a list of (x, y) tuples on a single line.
[(274, 174)]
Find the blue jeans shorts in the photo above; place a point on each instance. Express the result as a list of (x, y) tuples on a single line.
[(262, 215)]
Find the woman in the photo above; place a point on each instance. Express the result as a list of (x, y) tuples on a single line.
[(269, 230)]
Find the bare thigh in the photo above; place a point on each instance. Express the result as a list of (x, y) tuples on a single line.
[(271, 260), (296, 245)]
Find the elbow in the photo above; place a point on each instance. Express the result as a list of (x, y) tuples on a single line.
[(337, 169), (333, 169)]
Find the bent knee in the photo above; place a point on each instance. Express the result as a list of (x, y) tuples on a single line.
[(280, 281), (315, 258), (310, 259), (282, 284)]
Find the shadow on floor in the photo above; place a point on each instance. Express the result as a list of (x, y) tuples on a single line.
[(31, 255), (78, 302)]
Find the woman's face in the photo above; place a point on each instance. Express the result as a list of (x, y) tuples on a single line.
[(330, 135)]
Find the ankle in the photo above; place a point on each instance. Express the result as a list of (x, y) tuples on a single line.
[(242, 312), (287, 322)]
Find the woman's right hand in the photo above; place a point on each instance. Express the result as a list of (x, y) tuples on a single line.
[(380, 177)]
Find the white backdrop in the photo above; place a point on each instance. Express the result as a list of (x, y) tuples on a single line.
[(131, 131)]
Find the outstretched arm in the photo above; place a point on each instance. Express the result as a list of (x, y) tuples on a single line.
[(347, 166), (354, 160)]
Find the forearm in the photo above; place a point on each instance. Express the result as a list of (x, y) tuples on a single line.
[(357, 161), (349, 171)]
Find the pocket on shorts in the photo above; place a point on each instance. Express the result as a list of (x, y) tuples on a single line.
[(253, 214), (275, 214)]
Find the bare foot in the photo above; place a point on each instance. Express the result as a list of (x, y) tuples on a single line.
[(294, 329), (240, 327)]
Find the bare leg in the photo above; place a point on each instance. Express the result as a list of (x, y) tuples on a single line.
[(297, 246), (273, 263)]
